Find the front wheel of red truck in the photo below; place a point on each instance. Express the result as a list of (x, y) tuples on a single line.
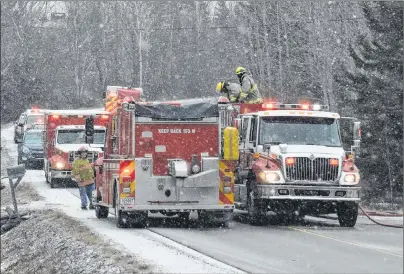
[(256, 210), (347, 213)]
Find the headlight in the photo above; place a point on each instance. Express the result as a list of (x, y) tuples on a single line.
[(59, 165), (349, 178), (269, 176), (25, 150), (352, 178)]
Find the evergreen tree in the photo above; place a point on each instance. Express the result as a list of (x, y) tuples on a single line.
[(376, 87)]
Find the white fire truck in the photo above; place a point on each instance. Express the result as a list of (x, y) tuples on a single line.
[(64, 135), (166, 158), (292, 162)]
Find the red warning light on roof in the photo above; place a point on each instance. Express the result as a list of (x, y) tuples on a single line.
[(268, 106), (35, 109), (305, 106)]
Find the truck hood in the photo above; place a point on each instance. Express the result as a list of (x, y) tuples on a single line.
[(36, 147), (307, 150), (75, 147)]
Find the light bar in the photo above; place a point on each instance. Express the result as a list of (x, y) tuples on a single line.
[(315, 107)]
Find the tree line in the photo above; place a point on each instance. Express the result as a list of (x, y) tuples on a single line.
[(346, 54)]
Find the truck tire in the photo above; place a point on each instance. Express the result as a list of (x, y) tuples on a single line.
[(347, 214), (184, 218), (226, 224), (101, 212), (256, 211), (121, 218), (46, 169), (53, 182), (138, 220)]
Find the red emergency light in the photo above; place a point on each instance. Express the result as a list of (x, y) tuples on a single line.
[(104, 117), (55, 116), (266, 106), (35, 109)]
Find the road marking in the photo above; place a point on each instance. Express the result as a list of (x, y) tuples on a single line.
[(346, 242)]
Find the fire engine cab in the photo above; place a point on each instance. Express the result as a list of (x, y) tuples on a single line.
[(64, 135), (292, 162), (167, 158)]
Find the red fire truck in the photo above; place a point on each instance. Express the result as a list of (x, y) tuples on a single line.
[(64, 135), (167, 158), (293, 162)]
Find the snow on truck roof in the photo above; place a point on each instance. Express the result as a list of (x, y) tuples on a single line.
[(96, 111), (301, 113)]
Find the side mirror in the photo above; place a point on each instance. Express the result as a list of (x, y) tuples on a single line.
[(267, 147), (104, 94), (89, 130), (357, 130), (356, 137), (20, 124)]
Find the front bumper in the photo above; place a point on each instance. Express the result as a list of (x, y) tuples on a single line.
[(177, 207), (299, 192), (61, 174)]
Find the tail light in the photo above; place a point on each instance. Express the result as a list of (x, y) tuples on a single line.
[(105, 117), (226, 181), (126, 174), (55, 116), (126, 180)]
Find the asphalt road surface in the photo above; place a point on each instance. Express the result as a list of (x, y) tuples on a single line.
[(314, 245)]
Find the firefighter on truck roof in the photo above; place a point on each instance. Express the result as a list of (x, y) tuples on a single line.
[(249, 89), (230, 90), (83, 173)]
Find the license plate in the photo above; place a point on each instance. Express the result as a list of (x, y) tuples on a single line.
[(127, 201)]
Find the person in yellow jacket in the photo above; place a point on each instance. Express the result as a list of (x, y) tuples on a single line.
[(230, 90), (83, 173), (249, 89)]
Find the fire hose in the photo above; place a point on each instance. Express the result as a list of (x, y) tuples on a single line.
[(379, 223)]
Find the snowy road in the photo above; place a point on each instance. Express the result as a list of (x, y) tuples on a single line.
[(312, 246)]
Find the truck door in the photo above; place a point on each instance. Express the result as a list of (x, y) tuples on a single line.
[(243, 147)]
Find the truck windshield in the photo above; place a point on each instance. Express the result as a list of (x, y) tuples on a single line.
[(77, 136), (35, 119), (299, 131), (33, 137)]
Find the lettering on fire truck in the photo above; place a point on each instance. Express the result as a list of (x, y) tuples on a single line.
[(176, 130)]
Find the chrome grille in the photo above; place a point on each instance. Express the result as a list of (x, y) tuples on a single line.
[(318, 169)]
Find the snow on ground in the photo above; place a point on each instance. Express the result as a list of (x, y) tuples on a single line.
[(166, 255)]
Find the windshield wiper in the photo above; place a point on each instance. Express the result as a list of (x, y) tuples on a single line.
[(312, 144)]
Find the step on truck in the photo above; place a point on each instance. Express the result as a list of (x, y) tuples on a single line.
[(292, 162), (64, 135), (166, 158)]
